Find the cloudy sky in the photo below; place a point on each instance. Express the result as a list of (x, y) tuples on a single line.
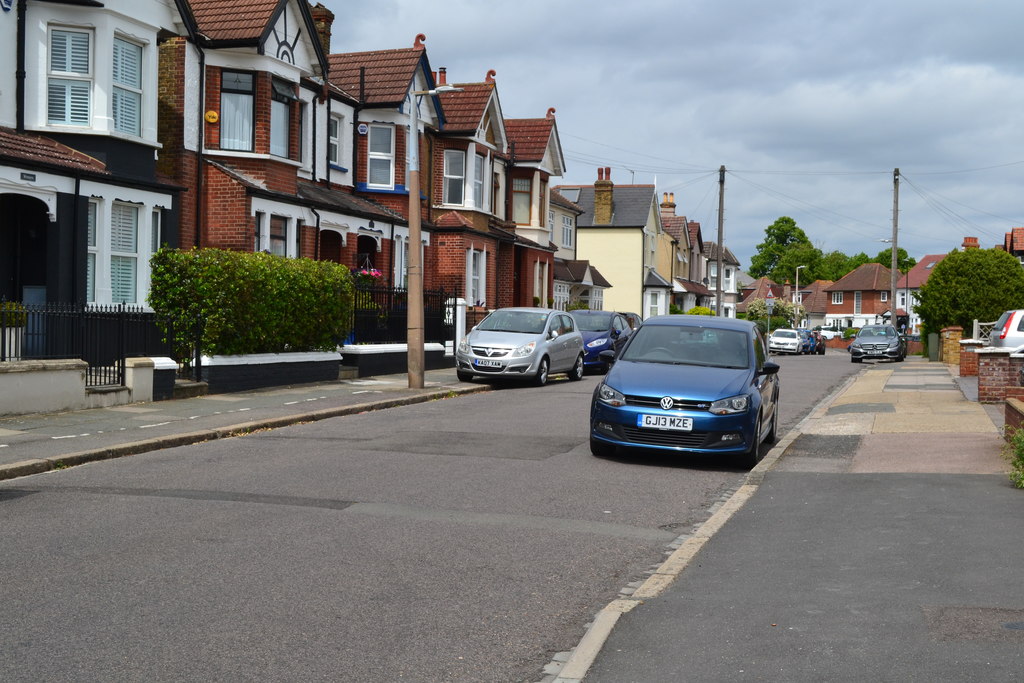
[(810, 106)]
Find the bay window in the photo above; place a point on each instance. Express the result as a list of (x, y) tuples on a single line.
[(126, 94), (479, 173), (335, 126), (281, 99), (237, 105), (90, 257), (454, 176), (476, 277), (521, 200), (381, 163), (69, 86), (124, 252)]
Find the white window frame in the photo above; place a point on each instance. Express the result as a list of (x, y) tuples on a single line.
[(597, 299), (653, 302), (401, 269), (126, 100), (858, 303), (92, 251), (155, 231), (380, 155), (281, 99), (837, 298), (476, 277), (124, 251), (518, 194), (279, 244), (567, 232), (454, 186), (335, 139), (561, 295), (71, 79), (884, 297), (230, 114), (479, 173)]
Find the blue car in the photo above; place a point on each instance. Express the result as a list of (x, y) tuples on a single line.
[(601, 330), (688, 384)]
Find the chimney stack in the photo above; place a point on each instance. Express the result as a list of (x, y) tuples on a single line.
[(970, 243), (603, 189), (323, 19), (668, 204), (442, 76)]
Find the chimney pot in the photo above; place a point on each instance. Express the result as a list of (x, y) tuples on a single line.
[(442, 76)]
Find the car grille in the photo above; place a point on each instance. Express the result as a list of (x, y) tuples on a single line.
[(874, 347), (655, 437), (487, 352), (678, 404)]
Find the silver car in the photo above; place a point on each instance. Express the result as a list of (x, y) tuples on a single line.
[(1008, 332), (522, 343)]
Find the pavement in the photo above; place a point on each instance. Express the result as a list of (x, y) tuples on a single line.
[(30, 444), (879, 540)]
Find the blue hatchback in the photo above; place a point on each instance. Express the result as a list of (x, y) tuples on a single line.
[(601, 330), (688, 384)]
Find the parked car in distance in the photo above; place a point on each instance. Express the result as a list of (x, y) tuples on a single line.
[(878, 342), (784, 340), (1008, 332), (601, 330), (819, 343), (806, 341), (830, 332), (521, 343), (633, 319), (688, 384)]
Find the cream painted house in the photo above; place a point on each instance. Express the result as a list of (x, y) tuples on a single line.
[(620, 234)]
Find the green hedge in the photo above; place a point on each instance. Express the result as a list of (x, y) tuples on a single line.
[(12, 314), (251, 303)]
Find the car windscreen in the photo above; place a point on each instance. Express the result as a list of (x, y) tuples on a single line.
[(683, 345), (784, 334), (592, 322), (526, 322), (871, 332)]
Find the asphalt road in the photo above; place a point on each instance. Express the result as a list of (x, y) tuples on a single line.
[(469, 539)]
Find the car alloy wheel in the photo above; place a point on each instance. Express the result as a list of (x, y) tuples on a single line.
[(753, 454), (576, 374), (541, 378)]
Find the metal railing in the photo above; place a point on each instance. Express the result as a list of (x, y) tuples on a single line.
[(380, 316), (102, 336)]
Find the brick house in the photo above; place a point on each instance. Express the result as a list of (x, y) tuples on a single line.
[(577, 282), (861, 297)]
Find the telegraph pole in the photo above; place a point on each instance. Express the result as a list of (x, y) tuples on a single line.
[(895, 226), (721, 242)]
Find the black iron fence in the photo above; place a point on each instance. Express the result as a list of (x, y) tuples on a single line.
[(381, 316), (102, 336)]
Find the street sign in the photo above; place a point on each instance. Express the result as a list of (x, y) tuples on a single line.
[(770, 301)]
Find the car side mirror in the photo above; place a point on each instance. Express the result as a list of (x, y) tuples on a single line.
[(769, 368), (552, 334), (608, 356)]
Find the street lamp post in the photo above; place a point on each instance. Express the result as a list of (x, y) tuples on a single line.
[(414, 330), (796, 295)]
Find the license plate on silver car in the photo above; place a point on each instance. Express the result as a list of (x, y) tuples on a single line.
[(672, 422), (485, 363)]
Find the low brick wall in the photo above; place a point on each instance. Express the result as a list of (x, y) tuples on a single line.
[(968, 357), (951, 336), (1013, 416), (999, 374)]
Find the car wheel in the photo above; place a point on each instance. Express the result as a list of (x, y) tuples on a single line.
[(753, 454), (600, 449), (855, 360), (464, 376), (773, 432), (541, 378), (576, 374)]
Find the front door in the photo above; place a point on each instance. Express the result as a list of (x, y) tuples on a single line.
[(23, 230)]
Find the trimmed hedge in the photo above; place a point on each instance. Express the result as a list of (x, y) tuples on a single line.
[(251, 303), (12, 314)]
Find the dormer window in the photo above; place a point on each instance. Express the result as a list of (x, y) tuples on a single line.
[(237, 100), (282, 97), (69, 88)]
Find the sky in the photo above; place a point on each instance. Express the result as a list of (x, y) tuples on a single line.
[(810, 106)]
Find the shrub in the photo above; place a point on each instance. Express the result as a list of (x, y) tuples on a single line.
[(578, 305), (250, 303), (1014, 452), (850, 332), (12, 314), (699, 310)]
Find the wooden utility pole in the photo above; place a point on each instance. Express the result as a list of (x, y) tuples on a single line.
[(895, 226), (721, 242)]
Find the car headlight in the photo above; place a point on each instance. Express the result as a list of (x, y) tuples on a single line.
[(606, 394), (597, 342), (464, 345), (524, 350), (730, 406)]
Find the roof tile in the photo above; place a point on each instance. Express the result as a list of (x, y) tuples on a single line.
[(389, 73), (40, 149)]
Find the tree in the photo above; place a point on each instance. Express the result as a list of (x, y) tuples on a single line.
[(903, 260), (833, 266), (777, 252), (975, 284)]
